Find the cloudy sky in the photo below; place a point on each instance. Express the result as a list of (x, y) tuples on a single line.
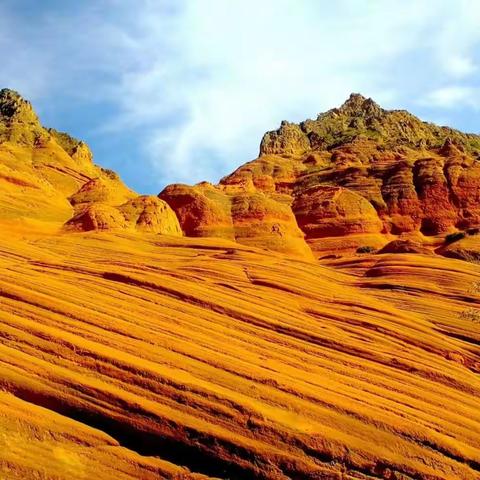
[(181, 91)]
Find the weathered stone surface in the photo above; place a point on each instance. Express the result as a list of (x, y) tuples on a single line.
[(405, 246), (354, 171), (98, 217), (327, 211), (289, 139), (263, 222), (150, 214), (201, 211), (18, 121), (41, 168), (250, 218), (102, 190)]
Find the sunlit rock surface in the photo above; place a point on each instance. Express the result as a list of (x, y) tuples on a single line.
[(194, 335)]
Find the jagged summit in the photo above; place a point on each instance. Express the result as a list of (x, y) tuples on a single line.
[(361, 117), (13, 106), (18, 121), (356, 104)]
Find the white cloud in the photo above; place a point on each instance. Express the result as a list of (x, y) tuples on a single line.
[(459, 66), (454, 96), (238, 68)]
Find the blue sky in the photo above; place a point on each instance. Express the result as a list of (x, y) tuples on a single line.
[(181, 91)]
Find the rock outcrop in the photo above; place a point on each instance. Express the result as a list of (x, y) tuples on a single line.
[(202, 210), (150, 214), (41, 168), (125, 355), (102, 190), (50, 176), (357, 172), (144, 213), (326, 211), (97, 217), (405, 246), (248, 217), (289, 139)]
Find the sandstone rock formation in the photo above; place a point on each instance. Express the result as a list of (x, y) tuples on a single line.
[(150, 214), (289, 139), (101, 190), (126, 355), (139, 357), (356, 175), (251, 218), (327, 211), (97, 216), (202, 210), (405, 246), (360, 170), (40, 168), (144, 213)]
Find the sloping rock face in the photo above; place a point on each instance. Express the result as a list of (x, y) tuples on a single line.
[(41, 168)]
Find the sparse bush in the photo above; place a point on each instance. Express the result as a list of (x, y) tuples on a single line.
[(110, 173), (474, 287), (472, 257), (471, 314), (366, 249), (454, 237)]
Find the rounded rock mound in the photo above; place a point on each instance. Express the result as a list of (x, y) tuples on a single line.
[(263, 222), (104, 189), (330, 211), (97, 217), (150, 214), (202, 211), (405, 246)]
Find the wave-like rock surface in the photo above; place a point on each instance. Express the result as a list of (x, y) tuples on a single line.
[(127, 356)]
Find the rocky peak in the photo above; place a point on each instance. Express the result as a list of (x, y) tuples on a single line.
[(19, 123), (358, 105), (14, 108), (288, 139), (450, 148), (361, 117)]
